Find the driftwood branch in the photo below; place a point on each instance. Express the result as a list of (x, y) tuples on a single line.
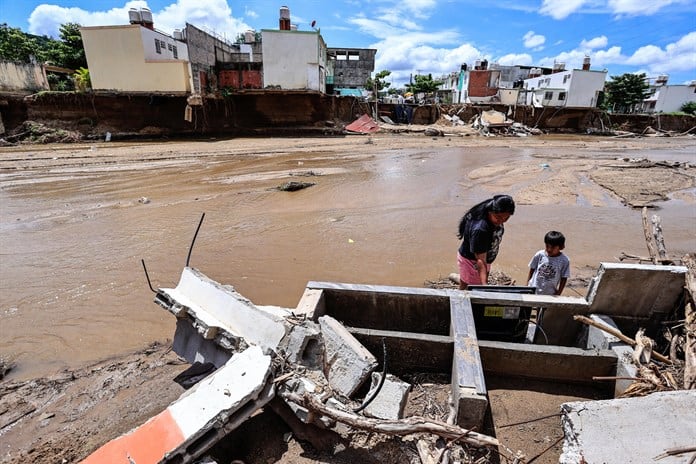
[(406, 426), (690, 325), (649, 237), (659, 238), (617, 334)]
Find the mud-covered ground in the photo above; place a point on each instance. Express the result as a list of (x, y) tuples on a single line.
[(76, 219)]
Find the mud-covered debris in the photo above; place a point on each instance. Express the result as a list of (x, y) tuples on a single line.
[(294, 185), (35, 132)]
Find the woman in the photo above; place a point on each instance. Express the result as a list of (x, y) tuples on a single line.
[(481, 230)]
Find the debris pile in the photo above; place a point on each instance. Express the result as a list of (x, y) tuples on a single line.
[(35, 132)]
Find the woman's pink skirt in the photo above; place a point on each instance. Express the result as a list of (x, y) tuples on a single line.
[(468, 272)]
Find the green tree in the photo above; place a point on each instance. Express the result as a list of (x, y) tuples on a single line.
[(69, 52), (82, 80), (625, 91), (378, 83), (689, 107), (15, 45), (423, 83)]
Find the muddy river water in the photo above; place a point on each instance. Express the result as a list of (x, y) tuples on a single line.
[(76, 221)]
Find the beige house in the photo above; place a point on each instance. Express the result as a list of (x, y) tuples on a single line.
[(135, 58)]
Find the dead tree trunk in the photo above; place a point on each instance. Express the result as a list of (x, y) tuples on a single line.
[(690, 325), (659, 238), (649, 237)]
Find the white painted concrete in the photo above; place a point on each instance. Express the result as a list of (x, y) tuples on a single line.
[(630, 430)]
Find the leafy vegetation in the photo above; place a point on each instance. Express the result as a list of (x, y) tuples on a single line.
[(625, 91), (423, 83), (689, 108), (82, 79), (378, 83), (68, 52)]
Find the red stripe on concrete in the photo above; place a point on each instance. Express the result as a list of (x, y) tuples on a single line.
[(146, 444)]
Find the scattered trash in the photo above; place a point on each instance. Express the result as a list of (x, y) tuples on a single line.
[(107, 137), (144, 200), (363, 125)]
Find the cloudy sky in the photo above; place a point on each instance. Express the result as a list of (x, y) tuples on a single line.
[(429, 36)]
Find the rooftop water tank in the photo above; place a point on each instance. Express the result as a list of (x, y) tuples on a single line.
[(178, 35), (249, 37), (146, 15), (134, 16), (284, 12)]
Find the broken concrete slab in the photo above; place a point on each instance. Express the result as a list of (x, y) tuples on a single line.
[(616, 431), (348, 362), (211, 408), (219, 312), (635, 290), (391, 399), (304, 345)]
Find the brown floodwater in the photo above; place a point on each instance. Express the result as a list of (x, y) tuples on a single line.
[(72, 235)]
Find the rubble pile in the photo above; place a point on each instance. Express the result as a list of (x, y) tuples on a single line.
[(35, 132)]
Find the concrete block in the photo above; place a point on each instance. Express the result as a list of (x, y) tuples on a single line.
[(635, 290), (598, 339), (468, 386), (304, 345), (348, 362), (629, 430), (210, 409), (391, 399), (215, 307), (624, 367), (311, 304)]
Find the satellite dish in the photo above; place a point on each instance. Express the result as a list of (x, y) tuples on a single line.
[(314, 22)]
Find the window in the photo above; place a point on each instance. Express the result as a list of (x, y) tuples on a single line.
[(341, 56), (169, 47), (353, 56), (158, 47), (176, 55), (561, 95), (548, 95), (565, 78), (541, 82)]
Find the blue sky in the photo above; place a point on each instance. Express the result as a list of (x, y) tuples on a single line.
[(429, 36)]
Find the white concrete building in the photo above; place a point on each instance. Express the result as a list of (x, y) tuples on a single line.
[(665, 98), (576, 88), (294, 60)]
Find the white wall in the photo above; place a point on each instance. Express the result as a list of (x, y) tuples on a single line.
[(573, 89), (293, 60), (672, 97), (167, 46)]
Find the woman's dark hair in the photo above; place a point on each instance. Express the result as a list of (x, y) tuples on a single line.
[(497, 204)]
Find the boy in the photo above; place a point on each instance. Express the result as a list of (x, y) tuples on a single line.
[(549, 269)]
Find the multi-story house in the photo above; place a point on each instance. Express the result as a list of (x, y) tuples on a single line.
[(575, 88), (664, 98)]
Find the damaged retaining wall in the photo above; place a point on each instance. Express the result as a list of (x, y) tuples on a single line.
[(274, 112)]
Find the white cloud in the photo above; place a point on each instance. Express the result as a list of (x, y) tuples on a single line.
[(249, 13), (677, 56), (533, 40), (561, 9), (597, 42), (512, 59), (212, 15), (638, 7)]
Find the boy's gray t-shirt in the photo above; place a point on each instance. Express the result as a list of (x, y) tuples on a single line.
[(548, 271)]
